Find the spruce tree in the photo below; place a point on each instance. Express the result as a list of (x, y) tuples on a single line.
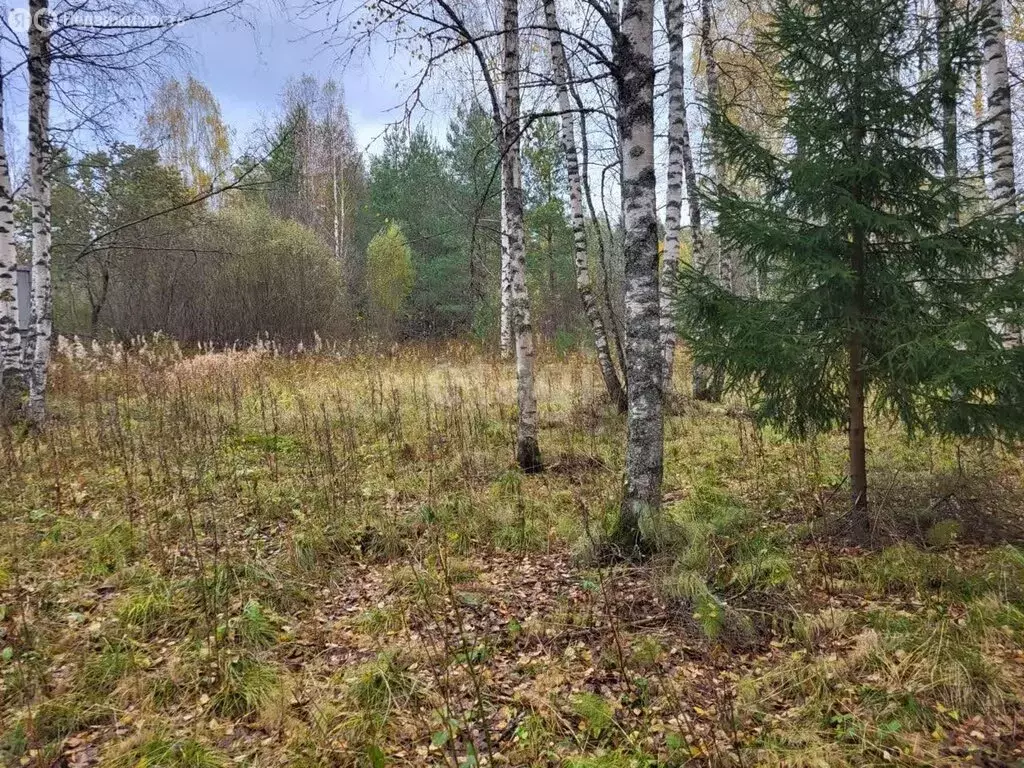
[(887, 282)]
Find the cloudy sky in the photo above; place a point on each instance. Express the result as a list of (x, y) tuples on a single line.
[(246, 62), (247, 59)]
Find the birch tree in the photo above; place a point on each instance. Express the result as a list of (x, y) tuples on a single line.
[(441, 28), (644, 431), (713, 261), (506, 322), (12, 378), (680, 169), (604, 242), (325, 161), (719, 265), (560, 77), (40, 161), (978, 130), (527, 446), (997, 97), (999, 121), (505, 335), (338, 188), (184, 123), (96, 64)]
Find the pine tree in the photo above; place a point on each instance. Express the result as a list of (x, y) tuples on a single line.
[(472, 160), (888, 285)]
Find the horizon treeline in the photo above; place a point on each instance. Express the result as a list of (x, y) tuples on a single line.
[(289, 238)]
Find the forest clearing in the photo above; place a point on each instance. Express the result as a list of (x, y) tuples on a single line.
[(327, 559), (479, 383)]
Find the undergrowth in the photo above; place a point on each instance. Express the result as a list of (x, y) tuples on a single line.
[(244, 558)]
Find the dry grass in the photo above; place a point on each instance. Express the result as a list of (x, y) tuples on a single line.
[(328, 559)]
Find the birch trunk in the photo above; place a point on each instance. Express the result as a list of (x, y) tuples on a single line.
[(680, 168), (997, 96), (979, 124), (719, 264), (692, 194), (505, 286), (506, 340), (711, 260), (40, 161), (603, 248), (12, 375), (1000, 132), (527, 447), (560, 77), (634, 62), (337, 212)]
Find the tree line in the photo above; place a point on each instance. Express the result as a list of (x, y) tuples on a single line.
[(311, 237), (851, 243)]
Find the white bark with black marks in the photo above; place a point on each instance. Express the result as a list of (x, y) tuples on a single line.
[(584, 285), (999, 123), (734, 276), (641, 502), (680, 169), (505, 340), (699, 250), (12, 375), (997, 97), (603, 240), (339, 207), (979, 124), (527, 445), (716, 264), (40, 165)]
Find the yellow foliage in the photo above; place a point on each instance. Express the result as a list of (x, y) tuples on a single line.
[(390, 272), (184, 123)]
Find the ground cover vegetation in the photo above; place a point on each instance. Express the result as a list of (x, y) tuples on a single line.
[(248, 557)]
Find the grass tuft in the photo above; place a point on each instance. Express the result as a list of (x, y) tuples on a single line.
[(382, 685), (249, 688), (151, 610), (255, 627), (904, 569), (103, 672), (161, 752), (110, 550), (595, 713)]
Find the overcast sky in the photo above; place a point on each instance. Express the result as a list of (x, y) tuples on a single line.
[(246, 62), (246, 59)]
